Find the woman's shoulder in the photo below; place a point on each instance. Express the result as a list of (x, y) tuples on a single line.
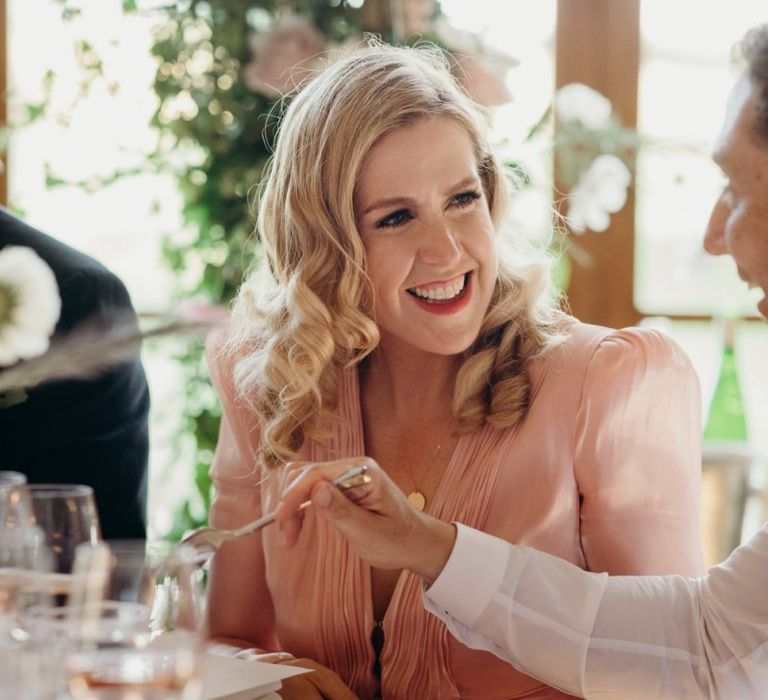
[(219, 359), (585, 346), (585, 339), (223, 352)]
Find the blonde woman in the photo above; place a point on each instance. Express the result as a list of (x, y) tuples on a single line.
[(395, 329)]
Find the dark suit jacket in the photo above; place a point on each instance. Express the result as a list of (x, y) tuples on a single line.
[(83, 432)]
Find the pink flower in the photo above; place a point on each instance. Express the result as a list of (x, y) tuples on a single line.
[(483, 80), (284, 56), (417, 16), (481, 69)]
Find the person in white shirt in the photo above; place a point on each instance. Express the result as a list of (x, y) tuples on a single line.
[(590, 634)]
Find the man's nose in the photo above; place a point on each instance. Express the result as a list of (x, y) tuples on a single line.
[(714, 237)]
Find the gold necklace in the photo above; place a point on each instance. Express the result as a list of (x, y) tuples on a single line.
[(416, 497)]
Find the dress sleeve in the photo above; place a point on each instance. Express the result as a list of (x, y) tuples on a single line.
[(239, 603), (637, 457)]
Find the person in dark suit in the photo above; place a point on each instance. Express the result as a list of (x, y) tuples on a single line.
[(90, 432)]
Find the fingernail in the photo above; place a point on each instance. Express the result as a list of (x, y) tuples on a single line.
[(322, 496)]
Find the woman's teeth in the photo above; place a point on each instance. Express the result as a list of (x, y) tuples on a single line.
[(443, 292)]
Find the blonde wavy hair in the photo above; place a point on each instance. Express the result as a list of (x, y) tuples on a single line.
[(290, 342)]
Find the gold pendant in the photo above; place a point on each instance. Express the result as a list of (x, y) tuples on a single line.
[(417, 500)]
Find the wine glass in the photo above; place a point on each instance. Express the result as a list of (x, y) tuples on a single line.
[(135, 619), (13, 502), (23, 557), (22, 552), (63, 516), (12, 479), (27, 670), (67, 514)]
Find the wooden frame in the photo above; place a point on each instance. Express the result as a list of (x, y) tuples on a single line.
[(598, 43)]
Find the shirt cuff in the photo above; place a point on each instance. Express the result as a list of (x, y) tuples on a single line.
[(473, 574)]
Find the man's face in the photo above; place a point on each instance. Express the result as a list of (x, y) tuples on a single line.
[(738, 225)]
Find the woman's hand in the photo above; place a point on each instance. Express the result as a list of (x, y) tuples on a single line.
[(376, 518), (320, 684)]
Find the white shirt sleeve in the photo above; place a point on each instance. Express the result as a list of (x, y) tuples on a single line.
[(619, 637)]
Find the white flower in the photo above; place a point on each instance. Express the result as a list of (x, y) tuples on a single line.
[(483, 79), (530, 215), (29, 305), (577, 103), (601, 191)]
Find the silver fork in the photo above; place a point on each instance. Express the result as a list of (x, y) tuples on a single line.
[(207, 540)]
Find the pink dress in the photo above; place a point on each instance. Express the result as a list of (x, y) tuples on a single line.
[(604, 473)]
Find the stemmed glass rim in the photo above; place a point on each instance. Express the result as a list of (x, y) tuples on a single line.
[(151, 551), (58, 490), (11, 478)]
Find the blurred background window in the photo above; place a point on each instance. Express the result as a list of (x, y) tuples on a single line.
[(685, 78)]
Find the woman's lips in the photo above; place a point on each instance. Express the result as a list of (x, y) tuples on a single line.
[(447, 306)]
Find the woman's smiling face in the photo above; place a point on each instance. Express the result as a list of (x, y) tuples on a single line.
[(425, 222)]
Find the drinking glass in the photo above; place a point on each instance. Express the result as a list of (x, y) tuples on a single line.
[(67, 514), (27, 670), (23, 557), (23, 553), (134, 620), (63, 516), (12, 478), (13, 503)]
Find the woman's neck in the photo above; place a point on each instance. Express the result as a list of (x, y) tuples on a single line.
[(409, 384)]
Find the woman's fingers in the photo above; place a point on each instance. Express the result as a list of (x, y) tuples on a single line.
[(375, 518), (301, 479)]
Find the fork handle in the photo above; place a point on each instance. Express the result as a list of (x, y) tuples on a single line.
[(263, 521), (350, 478)]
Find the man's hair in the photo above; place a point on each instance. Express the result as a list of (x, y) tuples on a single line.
[(754, 49)]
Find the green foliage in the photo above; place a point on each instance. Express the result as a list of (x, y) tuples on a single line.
[(216, 132)]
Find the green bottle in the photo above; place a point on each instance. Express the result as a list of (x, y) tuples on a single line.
[(727, 420)]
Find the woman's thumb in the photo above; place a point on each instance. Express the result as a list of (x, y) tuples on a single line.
[(334, 505)]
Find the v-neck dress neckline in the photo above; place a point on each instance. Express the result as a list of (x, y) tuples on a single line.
[(464, 494)]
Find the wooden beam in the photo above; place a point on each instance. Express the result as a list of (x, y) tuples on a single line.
[(598, 43)]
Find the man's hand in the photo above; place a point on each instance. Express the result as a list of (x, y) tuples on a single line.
[(376, 518)]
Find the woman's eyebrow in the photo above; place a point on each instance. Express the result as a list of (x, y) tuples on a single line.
[(387, 202)]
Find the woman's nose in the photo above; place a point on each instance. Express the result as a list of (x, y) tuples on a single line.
[(440, 246)]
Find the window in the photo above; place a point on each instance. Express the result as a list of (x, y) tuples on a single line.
[(685, 78)]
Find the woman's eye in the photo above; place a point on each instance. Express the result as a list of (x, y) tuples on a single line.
[(465, 198), (396, 218)]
